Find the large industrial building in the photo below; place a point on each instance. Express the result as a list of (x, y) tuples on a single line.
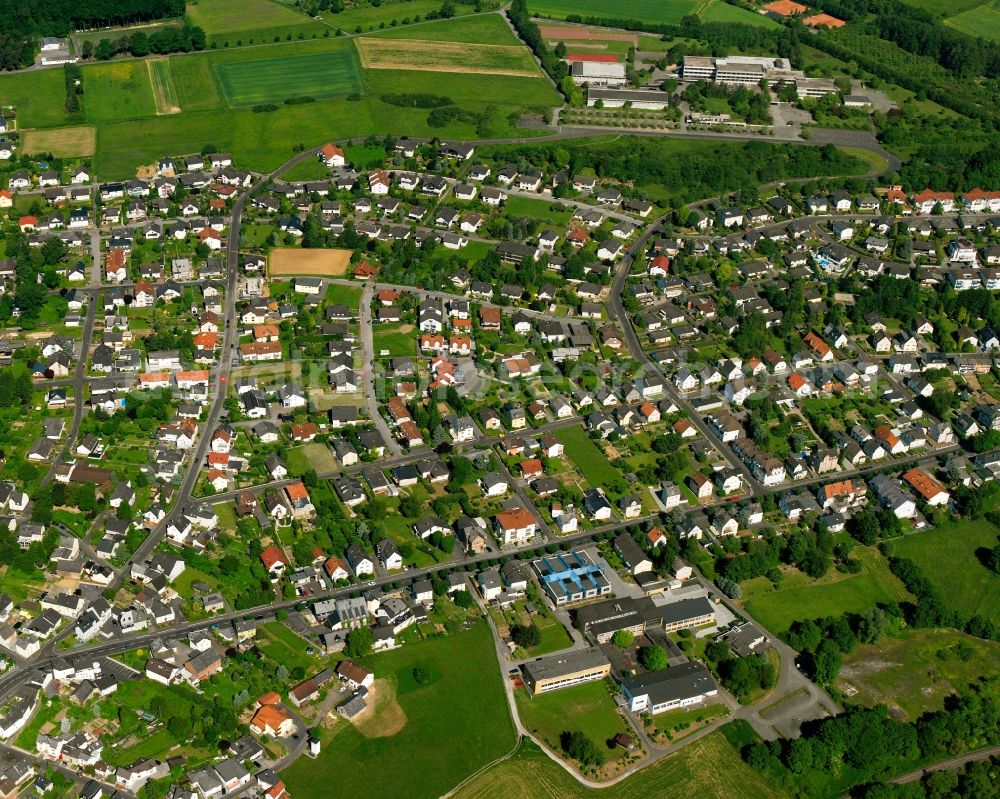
[(596, 73)]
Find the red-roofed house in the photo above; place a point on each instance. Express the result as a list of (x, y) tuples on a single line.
[(331, 155), (274, 560)]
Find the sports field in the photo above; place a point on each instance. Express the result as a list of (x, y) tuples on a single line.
[(982, 21), (708, 769), (666, 11), (424, 56), (75, 142), (316, 262), (164, 91), (950, 557), (274, 80)]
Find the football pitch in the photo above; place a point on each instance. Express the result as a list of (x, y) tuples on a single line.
[(274, 80)]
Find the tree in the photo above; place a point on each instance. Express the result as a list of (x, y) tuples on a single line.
[(525, 635), (653, 658), (422, 675), (622, 639), (464, 599), (561, 49), (359, 642), (579, 747)]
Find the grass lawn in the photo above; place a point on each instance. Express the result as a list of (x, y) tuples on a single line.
[(451, 726), (950, 557), (678, 723), (800, 597), (536, 209), (282, 645), (183, 584), (274, 80), (588, 707), (310, 169), (18, 584), (229, 19), (586, 456), (668, 11), (339, 294), (982, 22), (397, 344), (310, 456), (709, 769), (918, 670)]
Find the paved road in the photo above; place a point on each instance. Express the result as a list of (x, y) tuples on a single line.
[(368, 368)]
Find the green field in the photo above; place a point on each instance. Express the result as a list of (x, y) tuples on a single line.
[(982, 21), (283, 646), (917, 670), (708, 769), (536, 209), (371, 18), (263, 19), (949, 556), (588, 707), (487, 29), (333, 74), (945, 9), (666, 11), (589, 460), (720, 11), (343, 294), (398, 344), (450, 727), (164, 88), (95, 36), (119, 99), (800, 597), (119, 90)]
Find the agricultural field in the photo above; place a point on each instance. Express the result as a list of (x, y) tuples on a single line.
[(410, 741), (415, 54), (587, 457), (983, 21), (950, 557), (222, 84), (164, 91), (916, 671), (75, 142), (800, 597), (313, 262), (653, 11), (274, 80), (368, 18), (588, 707), (263, 19), (480, 29), (530, 774), (117, 90)]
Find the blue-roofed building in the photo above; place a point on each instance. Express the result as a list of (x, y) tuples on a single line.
[(569, 577)]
